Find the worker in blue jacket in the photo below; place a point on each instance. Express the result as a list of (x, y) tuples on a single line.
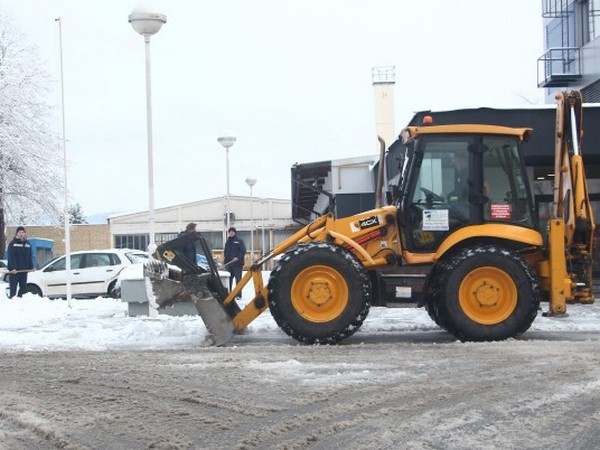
[(20, 262), (234, 253)]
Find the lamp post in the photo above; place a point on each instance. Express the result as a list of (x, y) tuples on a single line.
[(251, 182), (147, 22), (227, 141)]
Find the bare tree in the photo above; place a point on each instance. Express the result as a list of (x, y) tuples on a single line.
[(30, 157)]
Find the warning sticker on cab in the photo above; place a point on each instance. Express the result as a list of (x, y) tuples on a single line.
[(500, 211), (435, 220)]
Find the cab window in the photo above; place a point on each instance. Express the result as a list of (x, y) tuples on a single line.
[(504, 182), (439, 202)]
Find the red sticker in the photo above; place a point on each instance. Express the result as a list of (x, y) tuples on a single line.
[(499, 211)]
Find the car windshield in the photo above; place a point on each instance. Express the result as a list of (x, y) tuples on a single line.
[(137, 257)]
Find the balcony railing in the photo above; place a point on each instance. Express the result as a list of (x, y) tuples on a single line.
[(556, 8), (559, 67)]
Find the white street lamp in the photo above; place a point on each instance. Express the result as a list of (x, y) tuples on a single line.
[(147, 22), (251, 182), (227, 140)]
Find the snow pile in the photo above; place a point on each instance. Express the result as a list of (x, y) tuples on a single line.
[(33, 323)]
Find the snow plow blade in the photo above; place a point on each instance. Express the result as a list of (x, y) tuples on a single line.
[(163, 292), (179, 280)]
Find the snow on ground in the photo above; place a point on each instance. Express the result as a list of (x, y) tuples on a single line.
[(39, 324)]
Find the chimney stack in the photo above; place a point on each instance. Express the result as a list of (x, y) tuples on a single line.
[(384, 79)]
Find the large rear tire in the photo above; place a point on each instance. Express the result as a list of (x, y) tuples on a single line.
[(485, 294), (319, 293)]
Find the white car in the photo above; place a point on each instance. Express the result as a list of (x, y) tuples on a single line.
[(93, 273), (4, 272)]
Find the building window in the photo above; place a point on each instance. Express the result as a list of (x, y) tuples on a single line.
[(161, 238), (560, 31), (591, 10), (132, 241), (214, 239)]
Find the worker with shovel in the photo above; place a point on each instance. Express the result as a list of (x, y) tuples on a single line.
[(234, 253), (20, 262)]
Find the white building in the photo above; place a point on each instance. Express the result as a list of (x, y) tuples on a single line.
[(269, 218)]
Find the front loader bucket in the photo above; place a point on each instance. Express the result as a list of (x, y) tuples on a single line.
[(217, 321), (165, 287)]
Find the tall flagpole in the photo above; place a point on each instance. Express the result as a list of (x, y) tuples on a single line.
[(64, 146)]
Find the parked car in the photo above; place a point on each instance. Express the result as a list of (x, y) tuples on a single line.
[(93, 273), (4, 271)]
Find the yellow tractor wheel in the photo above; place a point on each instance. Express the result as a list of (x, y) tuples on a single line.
[(319, 293), (485, 293)]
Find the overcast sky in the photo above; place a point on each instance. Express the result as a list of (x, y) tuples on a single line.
[(292, 79)]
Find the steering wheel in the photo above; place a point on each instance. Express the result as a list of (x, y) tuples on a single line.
[(432, 196)]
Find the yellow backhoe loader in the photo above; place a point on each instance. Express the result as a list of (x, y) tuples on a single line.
[(459, 237)]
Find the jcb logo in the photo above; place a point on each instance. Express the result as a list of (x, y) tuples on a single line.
[(368, 222)]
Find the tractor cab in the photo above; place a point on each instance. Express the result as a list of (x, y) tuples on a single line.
[(454, 176)]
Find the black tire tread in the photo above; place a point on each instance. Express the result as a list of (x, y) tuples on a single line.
[(323, 333), (441, 302)]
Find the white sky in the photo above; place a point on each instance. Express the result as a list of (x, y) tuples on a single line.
[(292, 79)]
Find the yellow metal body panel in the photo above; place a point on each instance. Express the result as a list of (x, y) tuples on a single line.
[(501, 231), (414, 132), (513, 233), (559, 281), (371, 235)]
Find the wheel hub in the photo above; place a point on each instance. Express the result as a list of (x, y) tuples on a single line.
[(488, 295), (319, 292)]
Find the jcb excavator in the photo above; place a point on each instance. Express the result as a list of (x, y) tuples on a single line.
[(459, 237)]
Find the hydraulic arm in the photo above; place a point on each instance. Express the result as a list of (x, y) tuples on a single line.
[(571, 227)]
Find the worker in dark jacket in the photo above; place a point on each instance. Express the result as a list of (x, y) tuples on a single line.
[(20, 261), (234, 253), (189, 251)]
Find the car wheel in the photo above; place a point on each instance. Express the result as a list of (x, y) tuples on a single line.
[(33, 289), (113, 291)]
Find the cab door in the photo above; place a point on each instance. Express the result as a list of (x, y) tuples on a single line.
[(442, 190)]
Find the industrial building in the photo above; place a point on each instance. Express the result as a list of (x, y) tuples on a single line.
[(571, 58), (261, 222)]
